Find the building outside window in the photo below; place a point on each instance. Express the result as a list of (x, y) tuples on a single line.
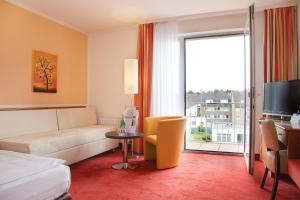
[(223, 137), (228, 137)]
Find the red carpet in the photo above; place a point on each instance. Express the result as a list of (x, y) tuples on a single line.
[(200, 176)]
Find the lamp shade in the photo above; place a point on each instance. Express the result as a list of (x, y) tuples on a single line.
[(131, 76)]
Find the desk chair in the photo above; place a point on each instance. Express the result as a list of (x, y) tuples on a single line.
[(276, 156)]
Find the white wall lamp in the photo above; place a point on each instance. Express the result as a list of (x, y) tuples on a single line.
[(130, 114), (131, 83)]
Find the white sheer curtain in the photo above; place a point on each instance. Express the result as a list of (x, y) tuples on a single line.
[(167, 97)]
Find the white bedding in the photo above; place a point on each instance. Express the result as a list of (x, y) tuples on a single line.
[(25, 176)]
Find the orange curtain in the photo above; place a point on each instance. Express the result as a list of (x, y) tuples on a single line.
[(280, 44), (143, 99)]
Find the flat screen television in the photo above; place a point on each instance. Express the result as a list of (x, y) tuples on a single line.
[(282, 98)]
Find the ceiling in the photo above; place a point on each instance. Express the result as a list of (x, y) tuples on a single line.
[(91, 15)]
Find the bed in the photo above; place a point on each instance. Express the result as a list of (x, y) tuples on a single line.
[(25, 176)]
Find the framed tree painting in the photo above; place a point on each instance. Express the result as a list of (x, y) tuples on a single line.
[(44, 72)]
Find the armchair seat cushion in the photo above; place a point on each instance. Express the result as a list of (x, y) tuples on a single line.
[(152, 139)]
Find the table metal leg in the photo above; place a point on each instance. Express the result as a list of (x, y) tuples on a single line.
[(124, 164), (133, 155), (132, 147), (125, 154)]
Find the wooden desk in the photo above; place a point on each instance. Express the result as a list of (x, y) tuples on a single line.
[(289, 134)]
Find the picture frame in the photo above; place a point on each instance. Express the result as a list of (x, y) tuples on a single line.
[(44, 72)]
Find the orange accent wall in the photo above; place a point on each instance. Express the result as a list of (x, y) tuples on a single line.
[(21, 32)]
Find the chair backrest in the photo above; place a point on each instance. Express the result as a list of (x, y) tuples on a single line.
[(269, 134), (175, 124), (170, 132), (171, 127), (151, 124)]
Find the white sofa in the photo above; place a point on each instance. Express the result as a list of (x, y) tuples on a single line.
[(71, 134)]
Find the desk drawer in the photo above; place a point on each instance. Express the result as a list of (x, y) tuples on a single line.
[(281, 135)]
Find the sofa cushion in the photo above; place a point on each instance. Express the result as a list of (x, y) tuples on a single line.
[(46, 143), (76, 117), (22, 122)]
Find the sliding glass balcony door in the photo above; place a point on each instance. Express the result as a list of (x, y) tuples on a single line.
[(215, 93)]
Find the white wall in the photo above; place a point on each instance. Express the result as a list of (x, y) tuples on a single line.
[(107, 51), (213, 23)]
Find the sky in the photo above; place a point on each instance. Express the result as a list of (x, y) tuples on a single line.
[(215, 63)]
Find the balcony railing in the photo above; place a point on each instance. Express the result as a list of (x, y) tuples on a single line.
[(216, 126)]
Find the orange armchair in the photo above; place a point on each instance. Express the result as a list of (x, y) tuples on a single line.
[(163, 139)]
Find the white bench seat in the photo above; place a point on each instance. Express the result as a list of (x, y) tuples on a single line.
[(47, 143), (69, 134)]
